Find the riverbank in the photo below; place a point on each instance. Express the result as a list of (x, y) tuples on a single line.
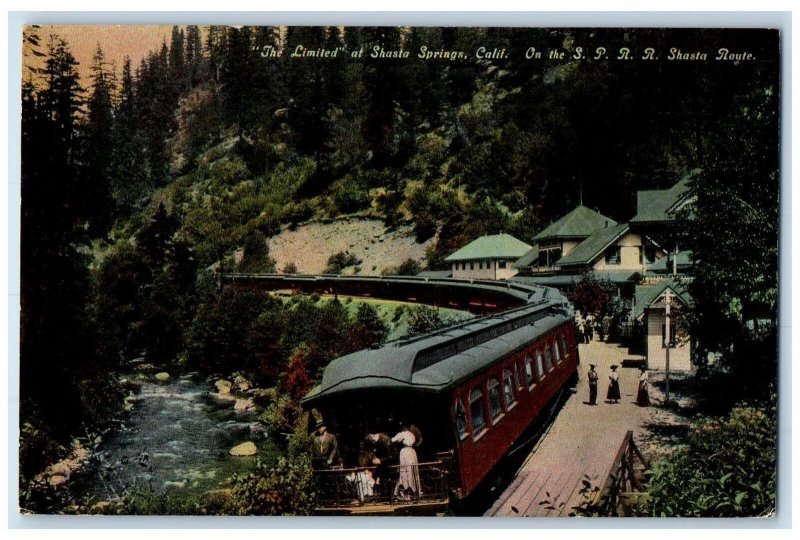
[(176, 439)]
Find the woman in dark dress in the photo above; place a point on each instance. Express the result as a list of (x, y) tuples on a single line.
[(643, 395), (613, 394)]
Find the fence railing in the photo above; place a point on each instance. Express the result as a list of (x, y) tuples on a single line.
[(393, 485), (625, 476)]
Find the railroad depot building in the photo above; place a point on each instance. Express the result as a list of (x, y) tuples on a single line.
[(641, 257), (488, 257)]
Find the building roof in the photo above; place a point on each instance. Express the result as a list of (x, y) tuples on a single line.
[(647, 295), (529, 258), (660, 266), (497, 246), (440, 360), (563, 279), (656, 206), (594, 246), (579, 223), (438, 274)]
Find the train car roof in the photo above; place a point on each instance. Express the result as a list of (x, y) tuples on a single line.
[(439, 360)]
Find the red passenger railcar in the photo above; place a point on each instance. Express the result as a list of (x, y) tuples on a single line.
[(471, 389)]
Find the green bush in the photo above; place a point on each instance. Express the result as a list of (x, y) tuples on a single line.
[(350, 195), (285, 489), (339, 261), (423, 319), (281, 415), (727, 469)]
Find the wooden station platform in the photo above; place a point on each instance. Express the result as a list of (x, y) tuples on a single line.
[(582, 440)]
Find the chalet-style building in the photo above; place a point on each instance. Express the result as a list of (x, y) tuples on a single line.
[(488, 257), (560, 238), (650, 309)]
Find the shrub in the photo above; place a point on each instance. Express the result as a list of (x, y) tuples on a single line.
[(281, 415), (424, 319), (285, 489), (339, 261), (727, 469), (350, 195), (409, 267)]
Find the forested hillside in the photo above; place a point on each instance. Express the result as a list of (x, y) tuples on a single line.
[(141, 182)]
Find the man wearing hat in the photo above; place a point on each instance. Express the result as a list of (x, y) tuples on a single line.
[(613, 395), (325, 453), (592, 385)]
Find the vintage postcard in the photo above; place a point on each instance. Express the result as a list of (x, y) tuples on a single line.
[(369, 271)]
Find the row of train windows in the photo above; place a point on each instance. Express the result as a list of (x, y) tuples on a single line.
[(511, 380)]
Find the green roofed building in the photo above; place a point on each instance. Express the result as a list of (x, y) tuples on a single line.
[(488, 257), (661, 207), (560, 238)]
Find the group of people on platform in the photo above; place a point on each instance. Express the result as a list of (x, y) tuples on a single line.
[(592, 324), (378, 455), (613, 394)]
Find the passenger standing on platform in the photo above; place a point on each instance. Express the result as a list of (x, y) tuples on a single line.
[(408, 482), (580, 324), (381, 456), (592, 385), (613, 395), (589, 327), (607, 325), (643, 395), (325, 451)]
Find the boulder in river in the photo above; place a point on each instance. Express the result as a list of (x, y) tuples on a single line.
[(244, 405), (223, 386), (245, 449), (162, 376), (242, 383)]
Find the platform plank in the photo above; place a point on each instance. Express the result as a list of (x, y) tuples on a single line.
[(582, 440)]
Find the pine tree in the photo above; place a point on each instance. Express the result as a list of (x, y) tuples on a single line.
[(178, 71), (98, 146), (194, 56)]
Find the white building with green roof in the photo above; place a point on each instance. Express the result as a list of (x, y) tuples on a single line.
[(488, 257)]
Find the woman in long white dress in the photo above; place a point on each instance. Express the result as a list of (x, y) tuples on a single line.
[(408, 483)]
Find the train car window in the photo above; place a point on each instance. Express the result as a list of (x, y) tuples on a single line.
[(461, 420), (564, 348), (548, 359), (556, 352), (476, 411), (494, 398), (508, 388), (516, 377), (539, 367), (528, 371)]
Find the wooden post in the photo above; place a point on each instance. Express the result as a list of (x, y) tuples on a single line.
[(667, 297)]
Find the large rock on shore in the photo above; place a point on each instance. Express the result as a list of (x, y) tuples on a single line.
[(245, 449)]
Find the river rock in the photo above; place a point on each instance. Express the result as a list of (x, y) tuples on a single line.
[(146, 367), (101, 507), (162, 376), (244, 405), (242, 383), (245, 449), (223, 386), (58, 480)]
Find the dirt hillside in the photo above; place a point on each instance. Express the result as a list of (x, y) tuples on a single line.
[(310, 245)]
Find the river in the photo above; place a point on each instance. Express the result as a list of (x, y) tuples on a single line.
[(175, 439)]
